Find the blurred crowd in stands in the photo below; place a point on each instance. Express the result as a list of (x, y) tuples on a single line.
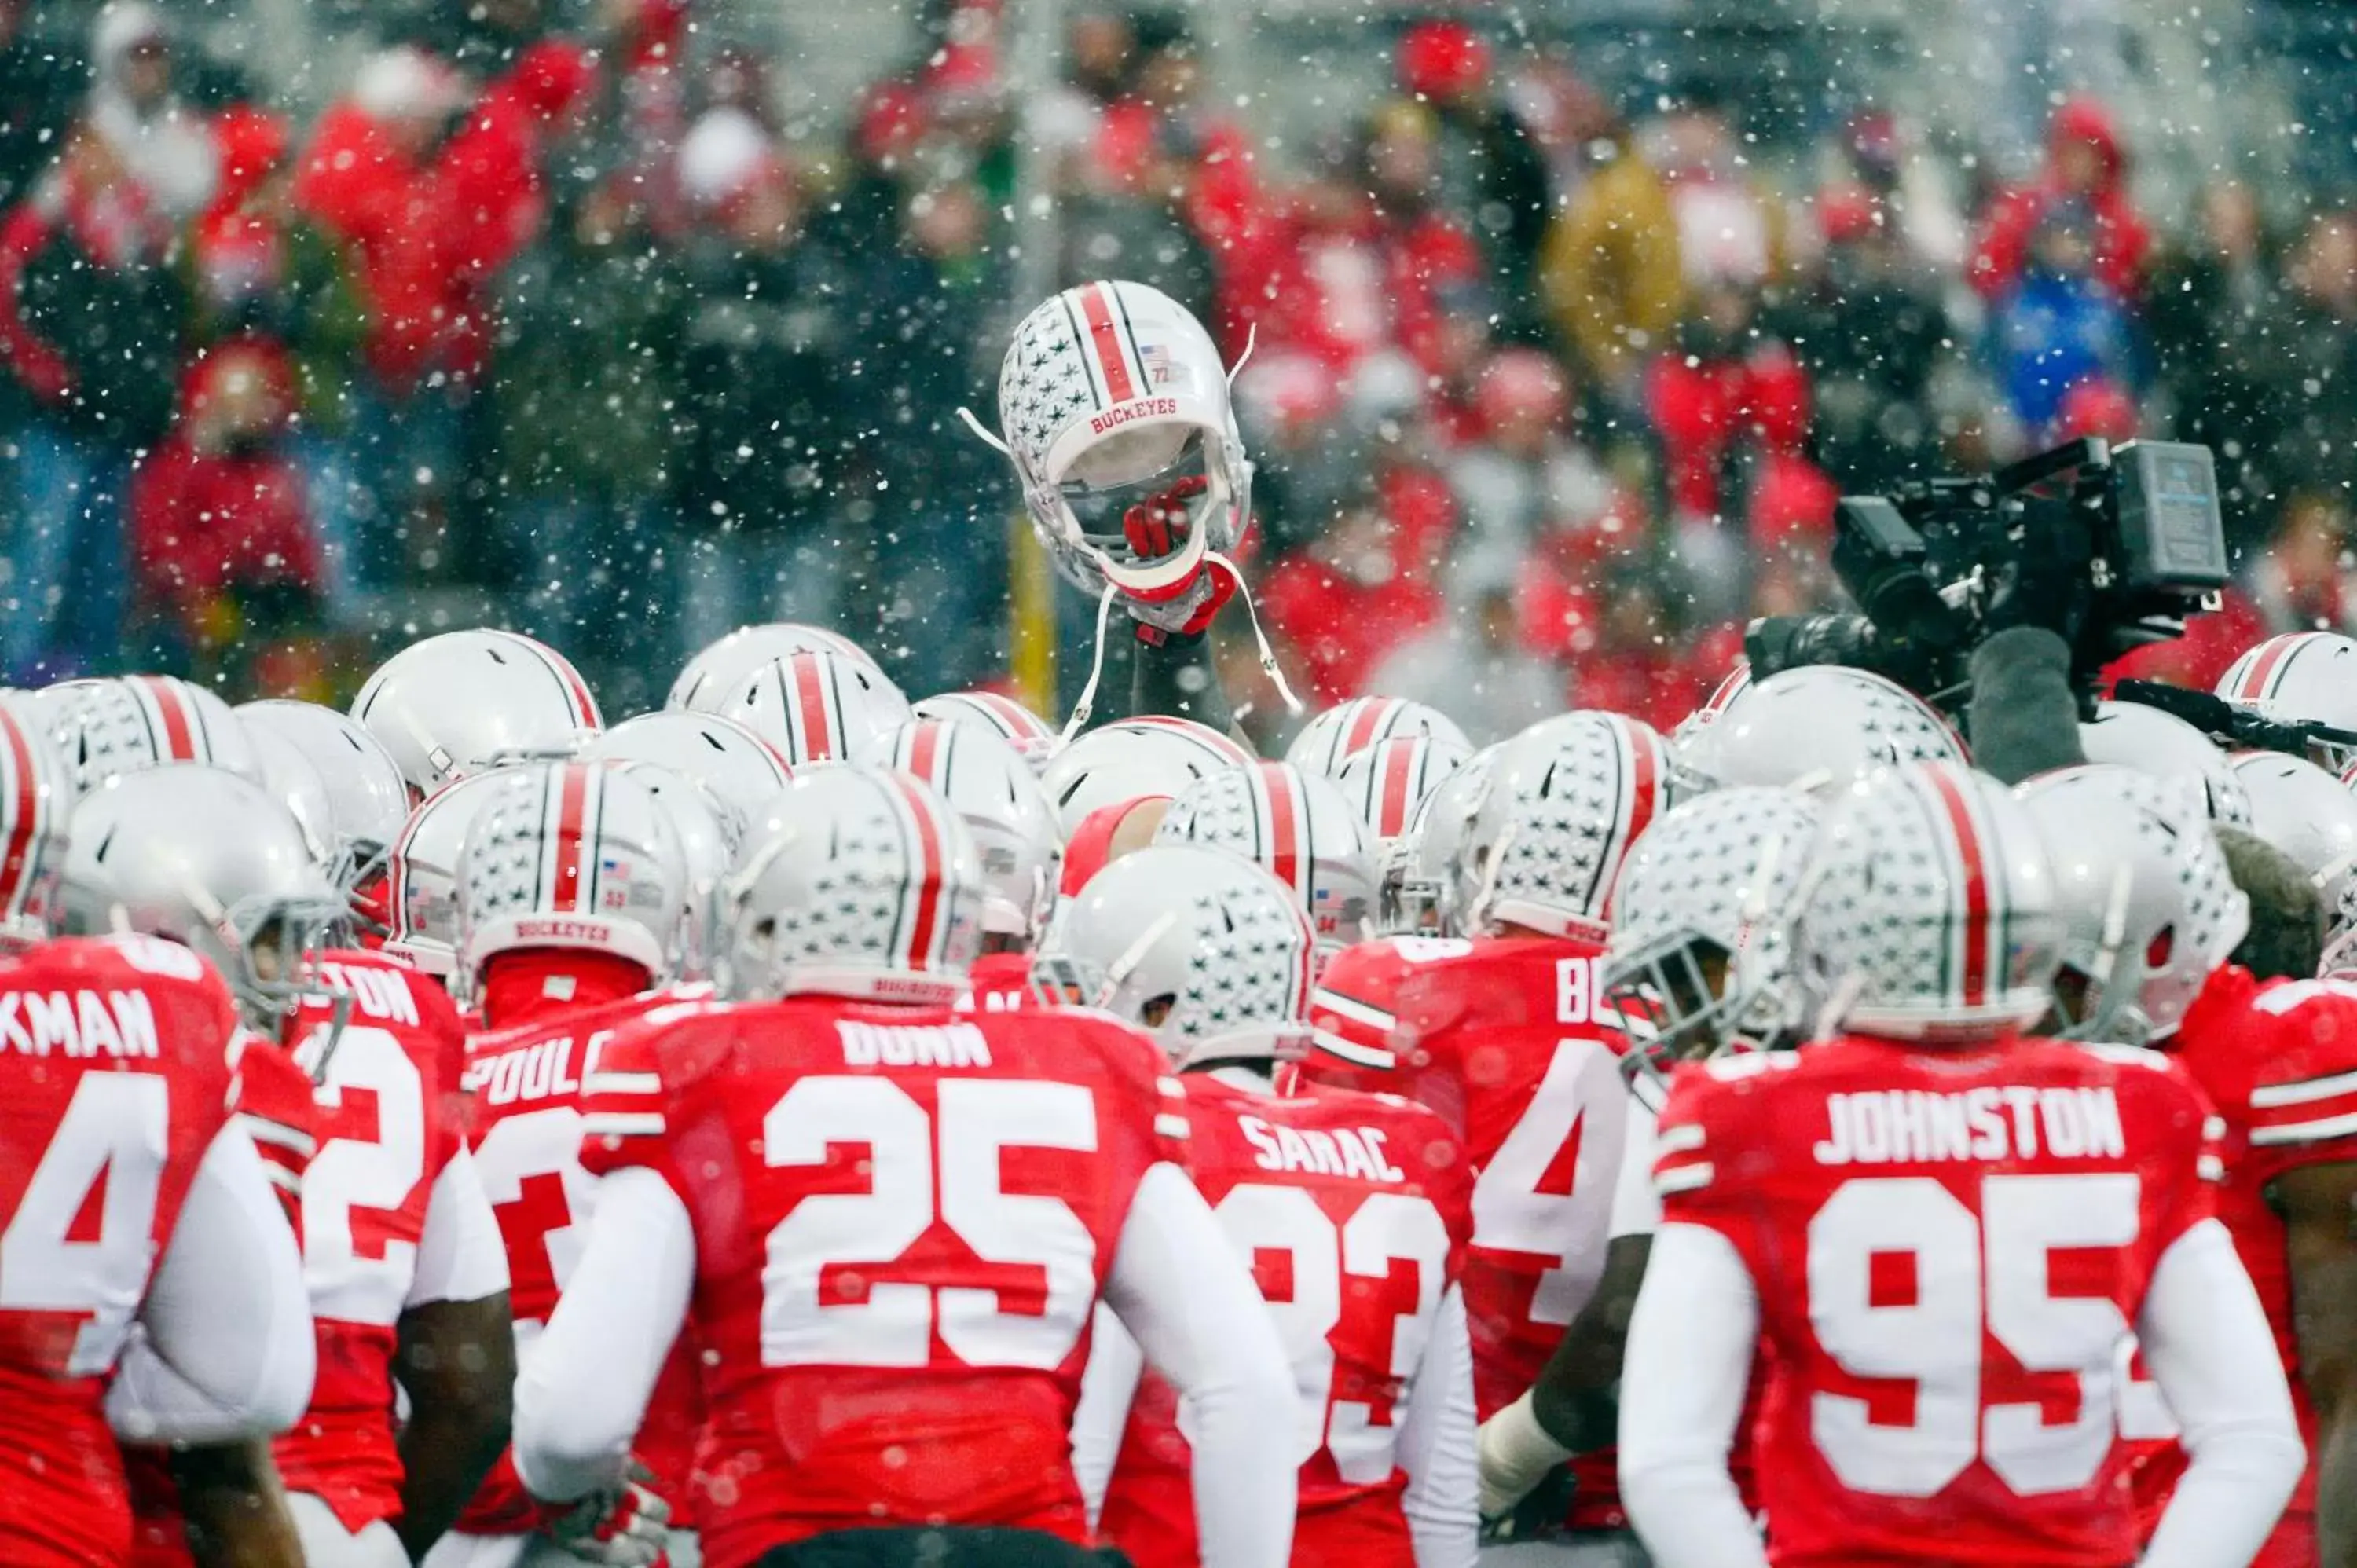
[(1548, 400)]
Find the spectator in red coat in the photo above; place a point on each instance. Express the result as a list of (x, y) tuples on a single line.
[(1355, 594), (1636, 661), (2084, 164)]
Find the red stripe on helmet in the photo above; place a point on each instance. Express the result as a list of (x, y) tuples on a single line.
[(1018, 720), (1096, 306), (929, 879), (1373, 717), (173, 707), (16, 865), (1975, 874), (926, 748), (1285, 827), (576, 690), (1648, 779), (1392, 778), (573, 881), (2273, 655), (819, 742)]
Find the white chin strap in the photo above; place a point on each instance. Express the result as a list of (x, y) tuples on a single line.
[(1082, 709)]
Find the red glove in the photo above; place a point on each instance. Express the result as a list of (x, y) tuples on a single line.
[(1156, 528)]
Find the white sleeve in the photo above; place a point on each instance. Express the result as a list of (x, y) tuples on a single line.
[(1107, 1385), (1636, 1207), (1183, 1295), (1435, 1446), (1681, 1385), (2206, 1338), (227, 1350), (460, 1255), (619, 1312)]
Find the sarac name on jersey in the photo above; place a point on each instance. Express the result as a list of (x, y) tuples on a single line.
[(912, 1045), (375, 992), (1337, 1151), (1898, 1126), (78, 1023)]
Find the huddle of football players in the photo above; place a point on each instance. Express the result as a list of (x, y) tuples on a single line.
[(803, 1128)]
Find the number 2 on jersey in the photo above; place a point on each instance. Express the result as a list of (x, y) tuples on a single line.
[(367, 1166)]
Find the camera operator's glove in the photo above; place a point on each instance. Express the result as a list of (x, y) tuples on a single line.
[(1155, 528)]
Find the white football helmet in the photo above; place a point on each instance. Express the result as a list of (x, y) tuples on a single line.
[(1731, 685), (206, 858), (1327, 742), (1717, 882), (1295, 825), (1933, 915), (1414, 895), (1386, 783), (464, 701), (1034, 739), (294, 784), (739, 770), (710, 833), (994, 793), (1563, 803), (2162, 745), (711, 677), (1130, 757), (420, 891), (2300, 675), (1208, 953), (368, 798), (814, 707), (2292, 809), (864, 885), (36, 798), (1110, 394), (2147, 905), (574, 855), (1818, 726), (104, 729)]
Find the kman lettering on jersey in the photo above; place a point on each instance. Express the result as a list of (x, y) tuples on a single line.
[(541, 1070), (1901, 1126), (78, 1023), (897, 1045), (1339, 1152), (375, 992)]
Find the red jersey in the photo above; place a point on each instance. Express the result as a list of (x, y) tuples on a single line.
[(1352, 1212), (390, 1119), (114, 1057), (1510, 1039), (1002, 983), (904, 1217), (1950, 1248)]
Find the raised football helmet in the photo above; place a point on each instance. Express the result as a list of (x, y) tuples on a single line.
[(1327, 742), (739, 770), (1112, 394), (36, 798), (2162, 745), (2300, 675), (2293, 809), (994, 793), (1129, 758), (1034, 738), (1414, 895), (206, 858), (1207, 952), (1387, 781), (814, 707), (421, 892), (1933, 915), (104, 729), (1818, 726), (1293, 824), (2147, 905), (1702, 954), (711, 677), (864, 885), (576, 855), (367, 798), (1563, 803), (464, 701)]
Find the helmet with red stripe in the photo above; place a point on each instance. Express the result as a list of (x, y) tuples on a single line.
[(456, 704), (368, 798), (1328, 743), (2300, 676), (2162, 745), (1293, 824), (712, 675), (294, 784), (1932, 913), (862, 884), (994, 793), (710, 833), (2292, 809), (420, 891), (1207, 952), (1415, 896), (1818, 726), (1387, 781), (1033, 738), (1563, 803), (1130, 757), (2147, 907), (574, 855), (814, 707), (1113, 394), (740, 770), (104, 729), (36, 796), (1731, 685)]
